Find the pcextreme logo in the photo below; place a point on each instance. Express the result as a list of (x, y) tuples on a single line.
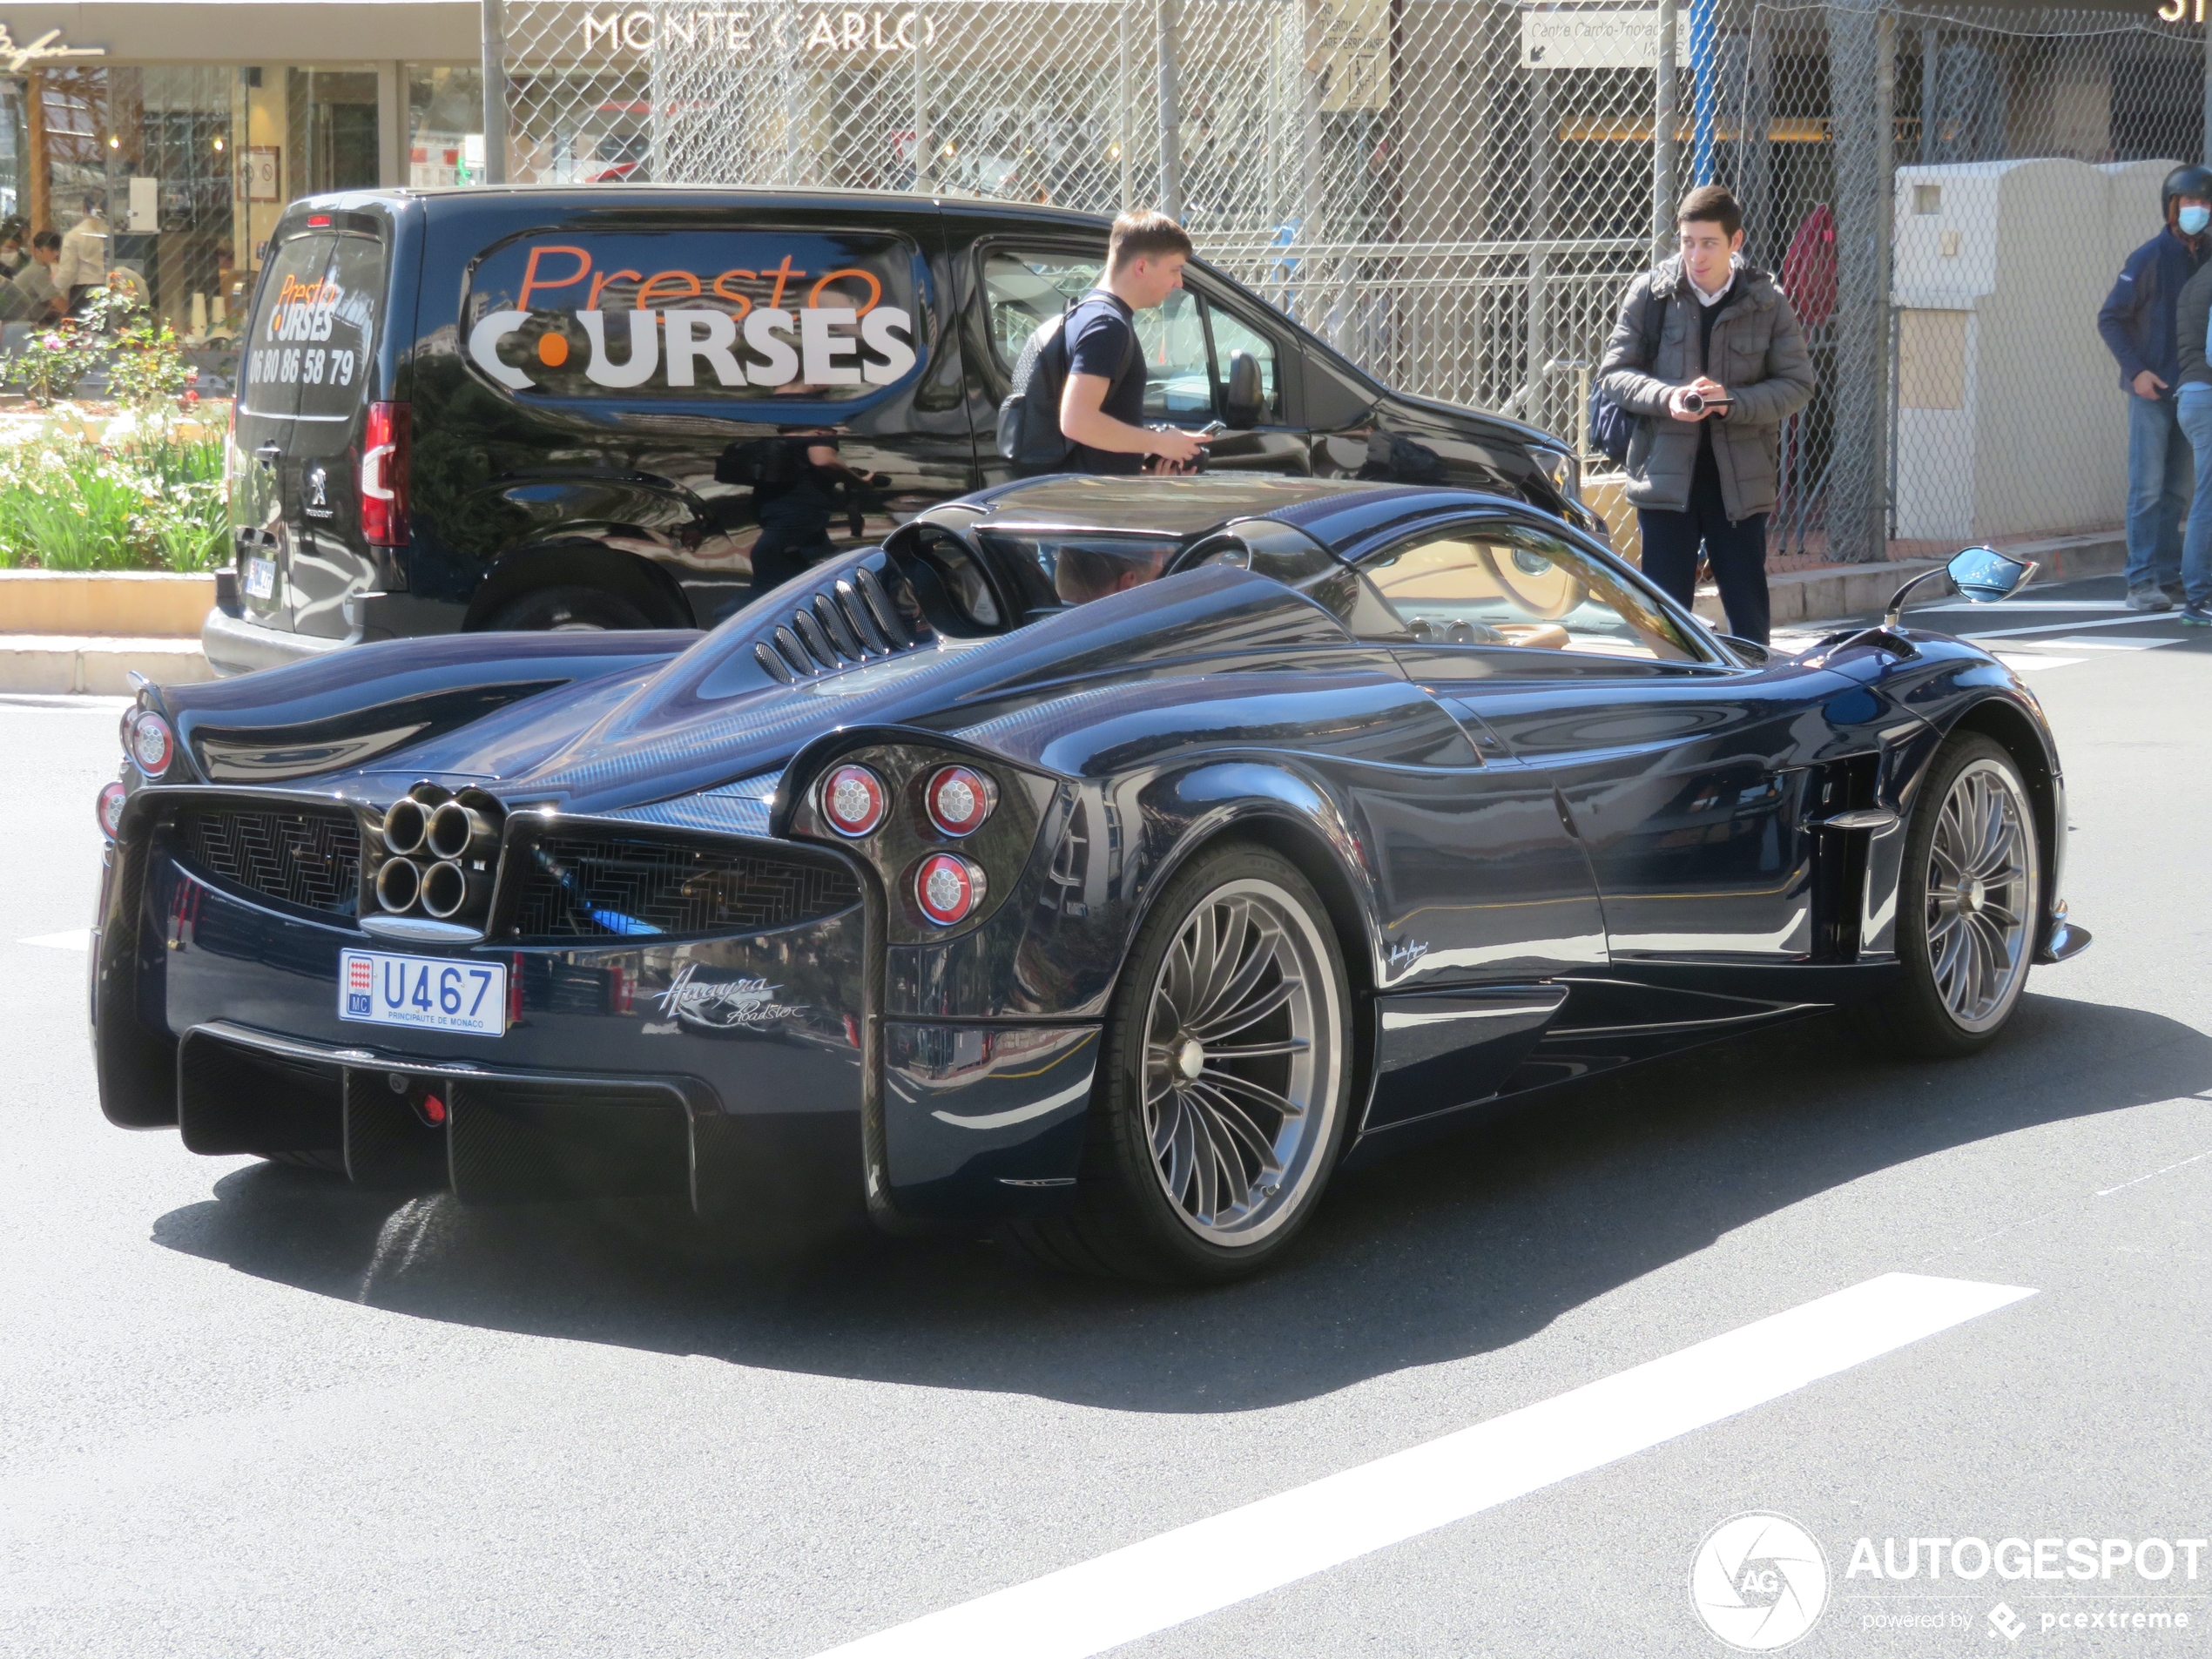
[(842, 335), (1759, 1581)]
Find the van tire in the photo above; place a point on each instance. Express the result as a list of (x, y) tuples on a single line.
[(570, 608)]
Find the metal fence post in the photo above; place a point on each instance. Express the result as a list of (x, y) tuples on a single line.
[(1704, 48), (495, 78), (1171, 113), (2208, 82), (1124, 125), (1858, 513), (1663, 139)]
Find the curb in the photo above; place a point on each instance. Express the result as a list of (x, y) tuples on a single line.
[(97, 665), (1856, 590)]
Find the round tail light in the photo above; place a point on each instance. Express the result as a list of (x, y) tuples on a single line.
[(852, 800), (110, 807), (948, 887), (960, 798), (151, 744)]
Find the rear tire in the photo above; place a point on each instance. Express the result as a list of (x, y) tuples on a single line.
[(1969, 906), (1224, 1082), (567, 610)]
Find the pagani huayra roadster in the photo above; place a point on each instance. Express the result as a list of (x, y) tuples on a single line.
[(1108, 859)]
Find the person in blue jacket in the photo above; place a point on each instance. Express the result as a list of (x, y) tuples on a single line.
[(2137, 323)]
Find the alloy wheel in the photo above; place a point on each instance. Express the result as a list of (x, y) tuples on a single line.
[(1241, 1063), (1981, 895)]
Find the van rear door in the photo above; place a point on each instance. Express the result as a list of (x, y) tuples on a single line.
[(309, 373)]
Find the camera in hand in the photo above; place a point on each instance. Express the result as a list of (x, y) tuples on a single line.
[(1699, 403)]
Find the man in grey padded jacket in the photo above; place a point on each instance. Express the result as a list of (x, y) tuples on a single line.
[(1706, 475)]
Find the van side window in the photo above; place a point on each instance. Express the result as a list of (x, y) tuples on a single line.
[(692, 316), (1023, 290)]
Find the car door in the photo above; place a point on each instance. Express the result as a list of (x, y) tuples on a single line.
[(1680, 772)]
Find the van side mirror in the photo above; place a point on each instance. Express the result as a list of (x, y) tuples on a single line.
[(1244, 401)]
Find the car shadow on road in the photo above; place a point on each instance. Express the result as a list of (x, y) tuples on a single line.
[(1463, 1247)]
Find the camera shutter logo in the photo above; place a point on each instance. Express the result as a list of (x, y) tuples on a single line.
[(1759, 1581)]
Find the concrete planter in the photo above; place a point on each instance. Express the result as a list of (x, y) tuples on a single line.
[(138, 604), (88, 631)]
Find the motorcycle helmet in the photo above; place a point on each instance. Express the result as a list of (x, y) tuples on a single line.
[(2190, 180)]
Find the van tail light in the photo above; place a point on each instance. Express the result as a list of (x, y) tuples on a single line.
[(384, 466)]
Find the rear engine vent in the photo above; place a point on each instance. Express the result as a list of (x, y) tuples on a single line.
[(602, 886), (309, 857), (853, 621)]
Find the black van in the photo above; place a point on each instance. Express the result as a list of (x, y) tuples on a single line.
[(572, 408)]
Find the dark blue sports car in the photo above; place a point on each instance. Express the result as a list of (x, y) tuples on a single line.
[(1111, 859)]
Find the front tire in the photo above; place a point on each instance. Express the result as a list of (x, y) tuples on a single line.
[(1224, 1084), (1969, 903)]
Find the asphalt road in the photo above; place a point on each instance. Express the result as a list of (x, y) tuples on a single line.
[(250, 1412)]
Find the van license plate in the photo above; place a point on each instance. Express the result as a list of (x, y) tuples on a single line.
[(424, 992), (260, 578)]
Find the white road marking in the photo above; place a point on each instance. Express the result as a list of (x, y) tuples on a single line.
[(2060, 627), (1229, 1558), (2074, 642), (77, 938), (2106, 1192), (2027, 661), (2039, 604)]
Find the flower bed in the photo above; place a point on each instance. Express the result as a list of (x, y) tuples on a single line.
[(85, 487), (76, 494)]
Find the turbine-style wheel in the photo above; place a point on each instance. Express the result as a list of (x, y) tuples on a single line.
[(1969, 902), (1222, 1098)]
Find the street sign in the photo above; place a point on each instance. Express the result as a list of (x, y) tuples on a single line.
[(1598, 40)]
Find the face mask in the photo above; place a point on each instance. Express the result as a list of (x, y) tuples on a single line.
[(2193, 219)]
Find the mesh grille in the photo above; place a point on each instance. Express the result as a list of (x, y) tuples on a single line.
[(592, 886), (307, 857)]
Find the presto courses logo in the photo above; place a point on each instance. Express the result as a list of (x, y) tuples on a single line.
[(769, 326)]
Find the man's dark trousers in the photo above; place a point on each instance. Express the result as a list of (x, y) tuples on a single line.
[(1738, 551)]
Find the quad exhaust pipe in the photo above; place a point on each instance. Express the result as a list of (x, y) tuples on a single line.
[(439, 851)]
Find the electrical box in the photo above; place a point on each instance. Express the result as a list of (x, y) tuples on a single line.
[(2010, 419)]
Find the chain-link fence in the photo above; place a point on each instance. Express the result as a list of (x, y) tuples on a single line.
[(1456, 192)]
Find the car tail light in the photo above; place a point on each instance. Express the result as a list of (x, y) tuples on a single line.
[(948, 887), (151, 744), (110, 807), (958, 799), (852, 800), (384, 465)]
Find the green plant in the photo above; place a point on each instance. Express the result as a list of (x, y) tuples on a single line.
[(154, 502), (51, 362)]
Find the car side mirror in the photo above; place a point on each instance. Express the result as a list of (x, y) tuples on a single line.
[(1982, 575), (1244, 401), (1754, 654)]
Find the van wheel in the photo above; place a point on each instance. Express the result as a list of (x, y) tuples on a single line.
[(567, 610), (1222, 1097)]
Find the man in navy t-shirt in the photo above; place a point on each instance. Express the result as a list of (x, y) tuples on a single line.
[(1102, 408)]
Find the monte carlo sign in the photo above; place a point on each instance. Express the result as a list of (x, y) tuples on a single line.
[(741, 29)]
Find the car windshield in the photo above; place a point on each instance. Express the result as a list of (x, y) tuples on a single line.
[(1081, 568)]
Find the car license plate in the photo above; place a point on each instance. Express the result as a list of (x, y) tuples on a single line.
[(423, 992), (260, 578)]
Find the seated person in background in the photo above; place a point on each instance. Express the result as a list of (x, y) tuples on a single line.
[(1082, 572), (35, 283)]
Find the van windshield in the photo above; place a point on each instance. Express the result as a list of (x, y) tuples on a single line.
[(315, 328)]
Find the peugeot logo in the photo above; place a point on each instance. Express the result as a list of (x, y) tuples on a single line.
[(318, 486)]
